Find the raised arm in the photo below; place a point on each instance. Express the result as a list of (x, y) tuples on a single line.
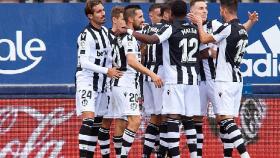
[(252, 19)]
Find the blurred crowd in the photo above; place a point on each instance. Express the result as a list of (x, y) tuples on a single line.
[(118, 1)]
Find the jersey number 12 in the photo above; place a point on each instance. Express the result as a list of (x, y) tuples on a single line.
[(187, 55)]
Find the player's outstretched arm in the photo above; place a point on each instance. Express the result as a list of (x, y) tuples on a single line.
[(132, 61), (148, 39), (252, 19)]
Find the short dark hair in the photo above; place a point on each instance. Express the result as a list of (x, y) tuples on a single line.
[(179, 8), (192, 2), (165, 7), (90, 4), (231, 5), (116, 11), (154, 6), (129, 11)]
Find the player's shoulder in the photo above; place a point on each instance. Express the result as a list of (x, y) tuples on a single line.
[(224, 26), (105, 29), (127, 39), (84, 35)]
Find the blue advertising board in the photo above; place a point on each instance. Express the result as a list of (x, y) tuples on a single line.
[(38, 42)]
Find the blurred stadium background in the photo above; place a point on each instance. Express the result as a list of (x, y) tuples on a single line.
[(133, 1), (38, 60)]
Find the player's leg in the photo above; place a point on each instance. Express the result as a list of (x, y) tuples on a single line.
[(85, 102), (198, 119), (225, 97), (129, 98), (104, 131), (173, 107), (151, 102), (192, 108), (120, 122), (120, 125), (163, 145)]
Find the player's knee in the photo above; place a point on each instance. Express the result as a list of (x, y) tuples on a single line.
[(155, 119), (87, 114), (134, 122), (106, 123)]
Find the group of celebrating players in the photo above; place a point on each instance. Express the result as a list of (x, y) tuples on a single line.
[(180, 62)]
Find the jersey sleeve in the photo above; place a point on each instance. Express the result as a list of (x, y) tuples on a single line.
[(86, 46), (128, 44), (222, 32), (164, 33), (216, 24)]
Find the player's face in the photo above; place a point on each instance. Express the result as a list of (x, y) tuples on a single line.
[(98, 14), (200, 9), (155, 15), (120, 21), (167, 15), (222, 13), (138, 19)]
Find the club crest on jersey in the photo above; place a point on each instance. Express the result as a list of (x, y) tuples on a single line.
[(83, 44), (133, 106), (168, 92), (84, 102), (220, 94), (129, 43)]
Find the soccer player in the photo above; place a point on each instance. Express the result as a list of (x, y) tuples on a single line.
[(181, 42), (153, 96), (112, 111), (207, 71), (232, 38), (93, 46), (126, 89)]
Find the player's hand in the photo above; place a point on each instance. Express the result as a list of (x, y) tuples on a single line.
[(157, 81), (253, 17), (114, 73), (195, 19), (120, 31)]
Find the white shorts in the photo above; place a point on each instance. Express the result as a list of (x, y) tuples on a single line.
[(87, 99), (152, 98), (206, 91), (112, 111), (228, 97), (181, 99), (126, 99)]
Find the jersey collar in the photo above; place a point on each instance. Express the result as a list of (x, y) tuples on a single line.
[(94, 28), (234, 21), (179, 21)]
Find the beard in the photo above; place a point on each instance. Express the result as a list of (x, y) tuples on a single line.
[(136, 26)]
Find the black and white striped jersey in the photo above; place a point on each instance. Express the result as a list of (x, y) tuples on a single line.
[(180, 46), (207, 66), (232, 39), (93, 51), (153, 58), (127, 44)]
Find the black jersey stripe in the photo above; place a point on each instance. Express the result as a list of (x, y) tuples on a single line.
[(97, 46), (179, 74), (96, 76), (104, 77), (201, 71), (211, 67)]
